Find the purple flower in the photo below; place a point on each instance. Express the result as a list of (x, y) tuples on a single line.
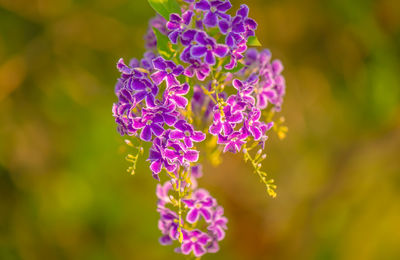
[(146, 62), (199, 207), (197, 171), (151, 124), (144, 89), (213, 247), (168, 225), (236, 54), (166, 70), (256, 128), (176, 93), (184, 131), (194, 241), (272, 84), (158, 159), (225, 122), (123, 116), (201, 70), (251, 56), (157, 22), (178, 24), (178, 152), (162, 193), (128, 73), (188, 40), (233, 29), (208, 48), (243, 98), (218, 224), (166, 110), (249, 24), (213, 9), (156, 112), (233, 142), (202, 102)]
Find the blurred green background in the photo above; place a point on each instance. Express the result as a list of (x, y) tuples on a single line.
[(64, 189)]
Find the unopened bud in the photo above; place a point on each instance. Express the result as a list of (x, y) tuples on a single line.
[(128, 142)]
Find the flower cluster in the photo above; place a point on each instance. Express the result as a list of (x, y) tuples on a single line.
[(198, 79), (202, 209)]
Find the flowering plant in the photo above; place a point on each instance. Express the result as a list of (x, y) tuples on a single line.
[(198, 88)]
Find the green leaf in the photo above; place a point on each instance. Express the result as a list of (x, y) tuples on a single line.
[(165, 7), (253, 41), (164, 46)]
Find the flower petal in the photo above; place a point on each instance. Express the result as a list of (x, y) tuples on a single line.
[(221, 50), (203, 5), (193, 216), (192, 155), (198, 250), (198, 51), (210, 59), (145, 135), (210, 19), (158, 77)]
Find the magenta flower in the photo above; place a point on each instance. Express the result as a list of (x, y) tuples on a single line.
[(224, 123), (236, 55), (176, 93), (178, 152), (184, 131), (168, 225), (167, 111), (256, 128), (244, 95), (218, 224), (166, 70), (272, 86), (197, 171), (162, 193), (233, 142), (201, 70), (158, 160), (199, 207), (194, 241)]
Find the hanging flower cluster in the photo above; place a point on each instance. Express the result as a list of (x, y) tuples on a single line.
[(197, 81)]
